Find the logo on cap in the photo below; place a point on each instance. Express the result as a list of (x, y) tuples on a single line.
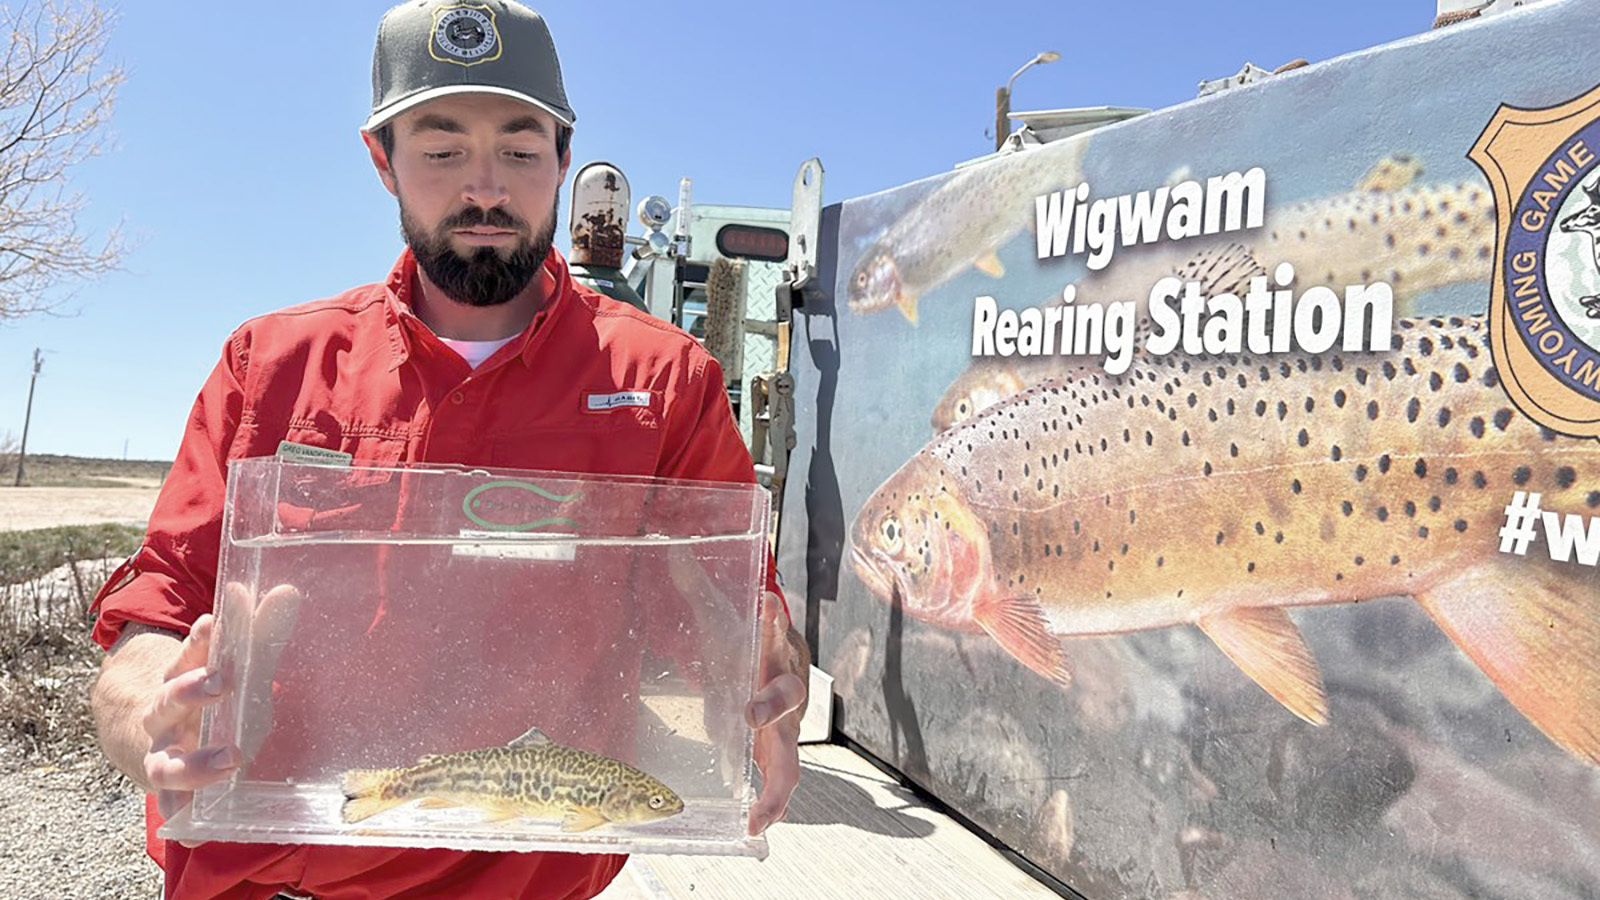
[(464, 35)]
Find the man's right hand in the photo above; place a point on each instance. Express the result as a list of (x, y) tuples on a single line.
[(175, 765)]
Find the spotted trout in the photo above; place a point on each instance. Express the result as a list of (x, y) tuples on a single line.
[(1220, 491), (962, 224), (532, 776)]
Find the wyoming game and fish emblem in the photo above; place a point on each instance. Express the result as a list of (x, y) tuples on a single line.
[(1544, 314)]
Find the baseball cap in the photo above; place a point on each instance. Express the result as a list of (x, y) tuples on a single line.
[(432, 48)]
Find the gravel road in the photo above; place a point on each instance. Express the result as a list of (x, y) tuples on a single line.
[(72, 832)]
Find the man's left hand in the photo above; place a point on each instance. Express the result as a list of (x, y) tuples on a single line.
[(775, 713)]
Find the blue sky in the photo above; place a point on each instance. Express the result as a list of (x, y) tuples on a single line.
[(236, 166)]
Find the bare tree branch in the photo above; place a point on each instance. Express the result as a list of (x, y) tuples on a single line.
[(56, 96)]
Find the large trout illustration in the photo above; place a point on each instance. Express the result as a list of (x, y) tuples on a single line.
[(1220, 491)]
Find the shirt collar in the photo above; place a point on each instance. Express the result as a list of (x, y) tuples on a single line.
[(401, 284)]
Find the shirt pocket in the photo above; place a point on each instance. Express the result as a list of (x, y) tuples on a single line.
[(362, 496), (621, 442)]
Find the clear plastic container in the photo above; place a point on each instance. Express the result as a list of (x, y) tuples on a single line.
[(368, 617)]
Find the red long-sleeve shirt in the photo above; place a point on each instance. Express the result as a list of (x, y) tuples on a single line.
[(361, 374)]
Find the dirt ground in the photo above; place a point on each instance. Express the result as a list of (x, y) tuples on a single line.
[(25, 508)]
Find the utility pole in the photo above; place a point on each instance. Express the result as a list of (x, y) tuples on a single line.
[(22, 451)]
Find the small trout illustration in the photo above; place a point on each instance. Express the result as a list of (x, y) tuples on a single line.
[(532, 776), (961, 224), (1219, 491)]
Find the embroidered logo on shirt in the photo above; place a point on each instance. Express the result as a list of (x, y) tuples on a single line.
[(602, 402)]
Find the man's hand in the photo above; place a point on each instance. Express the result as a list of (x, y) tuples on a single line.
[(175, 766), (775, 713)]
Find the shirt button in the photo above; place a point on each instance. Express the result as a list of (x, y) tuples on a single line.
[(458, 397)]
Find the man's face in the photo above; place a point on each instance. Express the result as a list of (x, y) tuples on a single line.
[(476, 176)]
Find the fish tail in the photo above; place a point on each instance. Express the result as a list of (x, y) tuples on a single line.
[(366, 793), (1535, 632)]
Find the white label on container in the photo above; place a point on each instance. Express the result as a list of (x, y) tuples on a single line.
[(621, 398), (290, 452)]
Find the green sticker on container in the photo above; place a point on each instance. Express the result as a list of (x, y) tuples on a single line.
[(305, 454)]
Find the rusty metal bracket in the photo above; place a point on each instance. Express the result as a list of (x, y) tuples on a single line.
[(805, 226)]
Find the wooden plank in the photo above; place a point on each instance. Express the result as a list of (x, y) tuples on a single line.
[(851, 833)]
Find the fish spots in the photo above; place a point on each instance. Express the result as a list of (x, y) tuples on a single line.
[(1461, 525), (1361, 473), (1520, 476), (1565, 477), (1476, 426), (1339, 398), (1372, 410), (1461, 373), (1502, 418), (1335, 454), (1593, 500), (1444, 416), (1479, 480), (1421, 468)]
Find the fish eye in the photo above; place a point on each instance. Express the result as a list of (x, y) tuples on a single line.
[(893, 533), (657, 801), (861, 279)]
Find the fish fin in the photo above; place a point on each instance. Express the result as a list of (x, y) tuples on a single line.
[(1536, 634), (583, 818), (435, 803), (500, 813), (357, 808), (533, 737), (989, 264), (364, 782), (908, 307), (1392, 173), (1264, 642), (1018, 624)]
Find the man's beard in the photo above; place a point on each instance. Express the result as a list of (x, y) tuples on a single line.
[(486, 278)]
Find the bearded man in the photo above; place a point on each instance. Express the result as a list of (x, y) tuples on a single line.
[(478, 349)]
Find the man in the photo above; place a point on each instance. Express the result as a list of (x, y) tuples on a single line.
[(478, 349)]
